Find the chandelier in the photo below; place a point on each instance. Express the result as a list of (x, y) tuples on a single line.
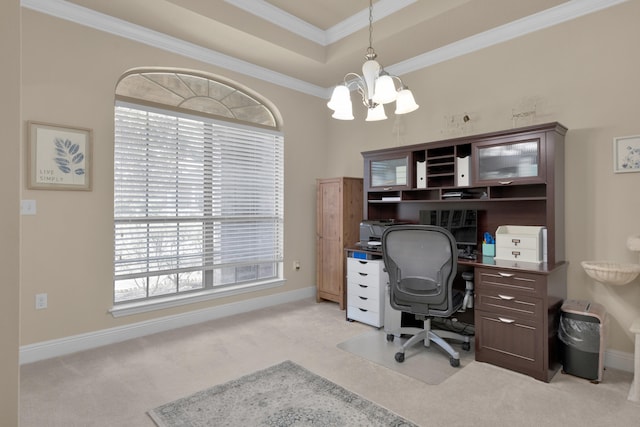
[(376, 86)]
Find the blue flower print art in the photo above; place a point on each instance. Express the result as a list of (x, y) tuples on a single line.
[(60, 157)]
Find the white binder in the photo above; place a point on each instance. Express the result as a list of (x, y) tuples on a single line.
[(462, 171), (421, 174)]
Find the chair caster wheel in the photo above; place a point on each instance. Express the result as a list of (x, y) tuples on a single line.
[(399, 357), (390, 337), (453, 362), (466, 346)]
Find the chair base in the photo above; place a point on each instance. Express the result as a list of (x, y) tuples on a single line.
[(427, 335)]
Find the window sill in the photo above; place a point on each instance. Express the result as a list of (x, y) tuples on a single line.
[(128, 309)]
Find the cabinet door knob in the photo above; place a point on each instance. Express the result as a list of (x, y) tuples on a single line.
[(506, 274), (506, 297), (505, 320)]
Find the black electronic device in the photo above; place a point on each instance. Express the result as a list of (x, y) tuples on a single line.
[(461, 223)]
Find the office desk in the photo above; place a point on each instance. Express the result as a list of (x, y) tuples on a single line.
[(516, 312)]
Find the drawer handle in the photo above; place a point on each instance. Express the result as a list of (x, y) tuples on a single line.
[(363, 286), (363, 298), (363, 274), (506, 297), (515, 241), (505, 182), (363, 310), (506, 274), (362, 262), (515, 254), (387, 188), (505, 320)]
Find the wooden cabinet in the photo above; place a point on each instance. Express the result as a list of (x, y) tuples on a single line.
[(516, 318), (526, 187), (366, 285), (516, 159), (339, 213), (515, 177), (389, 172)]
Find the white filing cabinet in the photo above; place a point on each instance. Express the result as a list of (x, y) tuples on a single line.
[(366, 285)]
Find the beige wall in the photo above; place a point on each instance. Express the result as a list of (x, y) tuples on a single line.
[(9, 210), (575, 74), (69, 76), (583, 74)]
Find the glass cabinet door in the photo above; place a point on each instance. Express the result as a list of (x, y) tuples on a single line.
[(391, 172), (510, 161)]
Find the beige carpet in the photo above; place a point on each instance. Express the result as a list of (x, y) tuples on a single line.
[(117, 384), (429, 365)]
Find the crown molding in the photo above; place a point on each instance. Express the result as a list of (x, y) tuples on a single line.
[(285, 20), (279, 17), (556, 15), (90, 18), (360, 20)]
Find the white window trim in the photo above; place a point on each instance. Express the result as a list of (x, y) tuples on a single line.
[(161, 303)]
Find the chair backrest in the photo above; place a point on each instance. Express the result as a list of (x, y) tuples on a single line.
[(422, 263)]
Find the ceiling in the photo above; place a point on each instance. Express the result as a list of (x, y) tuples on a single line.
[(318, 41)]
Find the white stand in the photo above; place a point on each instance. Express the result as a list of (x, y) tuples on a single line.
[(634, 392)]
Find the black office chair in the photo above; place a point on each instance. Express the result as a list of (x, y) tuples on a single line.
[(422, 263)]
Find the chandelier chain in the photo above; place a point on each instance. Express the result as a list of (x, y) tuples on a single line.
[(371, 24), (371, 54)]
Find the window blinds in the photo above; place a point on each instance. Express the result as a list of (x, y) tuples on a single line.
[(193, 195)]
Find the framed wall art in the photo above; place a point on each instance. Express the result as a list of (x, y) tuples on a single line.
[(59, 157), (626, 154)]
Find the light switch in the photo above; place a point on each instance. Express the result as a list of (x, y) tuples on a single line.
[(28, 207)]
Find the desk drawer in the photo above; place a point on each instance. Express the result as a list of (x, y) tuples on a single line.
[(364, 291), (510, 282), (495, 301), (364, 271), (363, 315), (518, 254), (513, 343), (365, 302)]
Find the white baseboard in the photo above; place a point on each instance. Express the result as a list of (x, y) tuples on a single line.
[(619, 360), (613, 359), (59, 347)]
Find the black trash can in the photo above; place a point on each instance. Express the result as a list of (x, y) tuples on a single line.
[(582, 340)]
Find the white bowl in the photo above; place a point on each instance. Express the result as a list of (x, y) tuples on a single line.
[(611, 273)]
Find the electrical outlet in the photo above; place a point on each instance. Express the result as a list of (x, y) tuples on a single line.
[(296, 265), (41, 301)]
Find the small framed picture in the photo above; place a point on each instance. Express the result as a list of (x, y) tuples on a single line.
[(626, 154), (59, 157)]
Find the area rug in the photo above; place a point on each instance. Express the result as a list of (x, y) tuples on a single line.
[(282, 395), (427, 364)]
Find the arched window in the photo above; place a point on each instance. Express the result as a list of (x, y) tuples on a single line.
[(198, 190)]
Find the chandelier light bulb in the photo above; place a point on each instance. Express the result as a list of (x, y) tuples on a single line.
[(376, 113), (340, 97), (405, 103), (385, 90)]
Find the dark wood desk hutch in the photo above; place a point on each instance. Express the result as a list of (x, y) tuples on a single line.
[(513, 177)]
